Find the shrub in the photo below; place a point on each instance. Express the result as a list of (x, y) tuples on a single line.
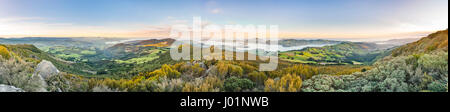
[(19, 74), (193, 70), (226, 69), (168, 85), (165, 71), (257, 77), (414, 73), (4, 52), (287, 83), (235, 84), (209, 84)]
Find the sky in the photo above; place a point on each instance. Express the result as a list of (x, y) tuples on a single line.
[(154, 18)]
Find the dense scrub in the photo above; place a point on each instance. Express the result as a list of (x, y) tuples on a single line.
[(414, 73), (20, 74)]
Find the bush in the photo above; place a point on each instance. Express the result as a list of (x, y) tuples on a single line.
[(168, 85), (194, 70), (4, 53), (209, 84), (19, 74), (165, 71), (287, 83), (258, 77), (226, 69), (414, 73), (235, 84)]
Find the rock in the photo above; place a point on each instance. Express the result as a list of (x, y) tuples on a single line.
[(46, 69), (6, 88), (201, 64), (43, 72)]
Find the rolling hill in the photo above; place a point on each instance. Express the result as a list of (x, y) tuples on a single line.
[(343, 53), (433, 42), (131, 49), (297, 42)]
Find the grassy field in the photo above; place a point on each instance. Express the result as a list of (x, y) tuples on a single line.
[(154, 54)]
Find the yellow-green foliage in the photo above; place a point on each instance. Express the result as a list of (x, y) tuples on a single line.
[(287, 83), (247, 66), (257, 77), (117, 85), (143, 59), (342, 69), (307, 71), (226, 69), (165, 71), (4, 52), (194, 70)]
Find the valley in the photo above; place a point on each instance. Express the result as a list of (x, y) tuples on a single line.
[(144, 65)]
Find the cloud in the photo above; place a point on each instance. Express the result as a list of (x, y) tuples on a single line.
[(26, 26), (216, 11), (35, 27), (18, 19)]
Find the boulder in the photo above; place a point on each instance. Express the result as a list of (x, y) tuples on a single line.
[(6, 88), (46, 69), (43, 72)]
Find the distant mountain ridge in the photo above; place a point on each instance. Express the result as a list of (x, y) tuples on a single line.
[(136, 47), (303, 42), (43, 42)]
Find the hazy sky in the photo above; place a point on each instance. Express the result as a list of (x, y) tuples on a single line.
[(153, 18)]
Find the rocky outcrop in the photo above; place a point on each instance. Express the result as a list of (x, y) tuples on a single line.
[(6, 88), (196, 62), (43, 72), (46, 69)]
